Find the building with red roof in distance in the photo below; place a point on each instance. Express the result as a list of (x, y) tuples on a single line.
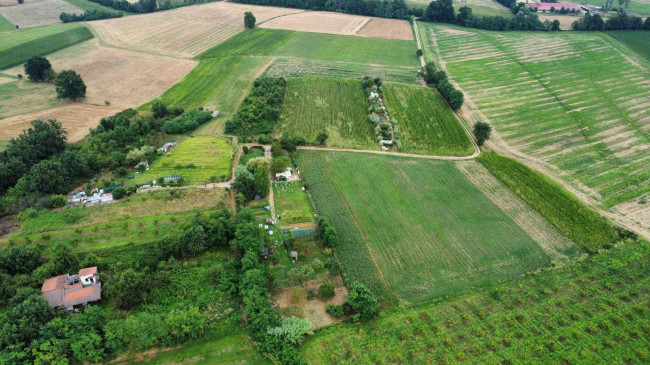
[(72, 291)]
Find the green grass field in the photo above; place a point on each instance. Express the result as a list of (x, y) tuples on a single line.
[(195, 159), (546, 96), (19, 45), (250, 42), (429, 230), (291, 203), (252, 153), (140, 218), (5, 25), (638, 41), (589, 312), (328, 47), (426, 124), (337, 106), (574, 219)]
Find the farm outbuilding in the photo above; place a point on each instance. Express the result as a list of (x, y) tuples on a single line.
[(70, 291)]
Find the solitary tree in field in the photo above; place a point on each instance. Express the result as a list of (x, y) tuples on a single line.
[(321, 138), (69, 85), (249, 20), (39, 69), (418, 52), (482, 132)]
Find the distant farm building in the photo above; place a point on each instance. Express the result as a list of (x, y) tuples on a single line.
[(555, 6), (71, 291), (286, 174)]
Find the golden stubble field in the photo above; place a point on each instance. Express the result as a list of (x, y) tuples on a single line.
[(35, 13), (183, 32), (124, 78)]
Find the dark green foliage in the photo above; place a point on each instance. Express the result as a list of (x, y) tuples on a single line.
[(187, 122), (438, 78), (58, 201), (334, 310), (89, 15), (574, 219), (260, 110), (69, 85), (482, 132), (119, 193), (38, 69), (65, 260), (159, 109), (129, 288), (261, 180), (249, 20), (440, 11), (327, 233), (326, 291), (142, 6), (20, 260), (244, 182), (321, 138), (589, 22), (363, 301), (419, 52)]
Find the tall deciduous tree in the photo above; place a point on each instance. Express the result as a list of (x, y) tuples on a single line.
[(39, 69), (363, 301), (69, 85), (482, 132), (249, 20)]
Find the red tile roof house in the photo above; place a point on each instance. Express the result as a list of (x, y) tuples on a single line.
[(71, 291), (556, 6)]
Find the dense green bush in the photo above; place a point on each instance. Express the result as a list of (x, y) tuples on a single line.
[(326, 290), (187, 122), (260, 110)]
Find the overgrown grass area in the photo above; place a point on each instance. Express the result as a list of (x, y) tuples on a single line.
[(426, 124), (250, 42), (198, 159), (291, 203), (235, 349), (329, 47), (594, 311), (417, 224), (545, 95), (143, 217), (638, 41), (574, 219), (336, 106), (19, 45), (198, 86)]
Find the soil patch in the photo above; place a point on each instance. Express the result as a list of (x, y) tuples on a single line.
[(387, 28)]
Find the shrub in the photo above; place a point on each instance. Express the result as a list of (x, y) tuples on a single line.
[(326, 291), (334, 310), (58, 201)]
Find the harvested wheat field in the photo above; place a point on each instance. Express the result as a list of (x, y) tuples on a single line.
[(123, 78), (318, 22), (76, 118), (387, 28), (183, 32), (565, 20), (37, 13), (14, 2)]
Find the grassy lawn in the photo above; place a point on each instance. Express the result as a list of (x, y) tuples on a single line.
[(250, 42), (195, 158), (235, 349), (426, 124), (593, 311), (419, 224), (546, 96), (5, 25), (140, 218), (291, 203), (337, 106), (252, 153), (328, 47), (20, 44), (638, 41)]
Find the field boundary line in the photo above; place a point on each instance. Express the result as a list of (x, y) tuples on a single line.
[(399, 154), (417, 39), (280, 16)]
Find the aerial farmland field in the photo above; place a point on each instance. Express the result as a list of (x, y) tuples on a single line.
[(546, 98), (337, 106), (638, 41), (42, 12), (420, 225), (196, 159), (426, 124)]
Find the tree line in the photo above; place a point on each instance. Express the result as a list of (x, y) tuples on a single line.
[(396, 9), (438, 79), (619, 21), (88, 16)]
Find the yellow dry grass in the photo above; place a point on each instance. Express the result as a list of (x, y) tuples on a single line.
[(182, 32), (319, 22), (387, 28), (124, 78)]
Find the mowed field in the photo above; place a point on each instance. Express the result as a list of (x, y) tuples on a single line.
[(418, 226), (548, 98), (319, 22), (37, 13), (123, 78), (426, 124), (195, 159), (336, 106), (141, 218), (183, 32)]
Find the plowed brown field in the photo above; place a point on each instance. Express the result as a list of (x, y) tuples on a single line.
[(387, 28)]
